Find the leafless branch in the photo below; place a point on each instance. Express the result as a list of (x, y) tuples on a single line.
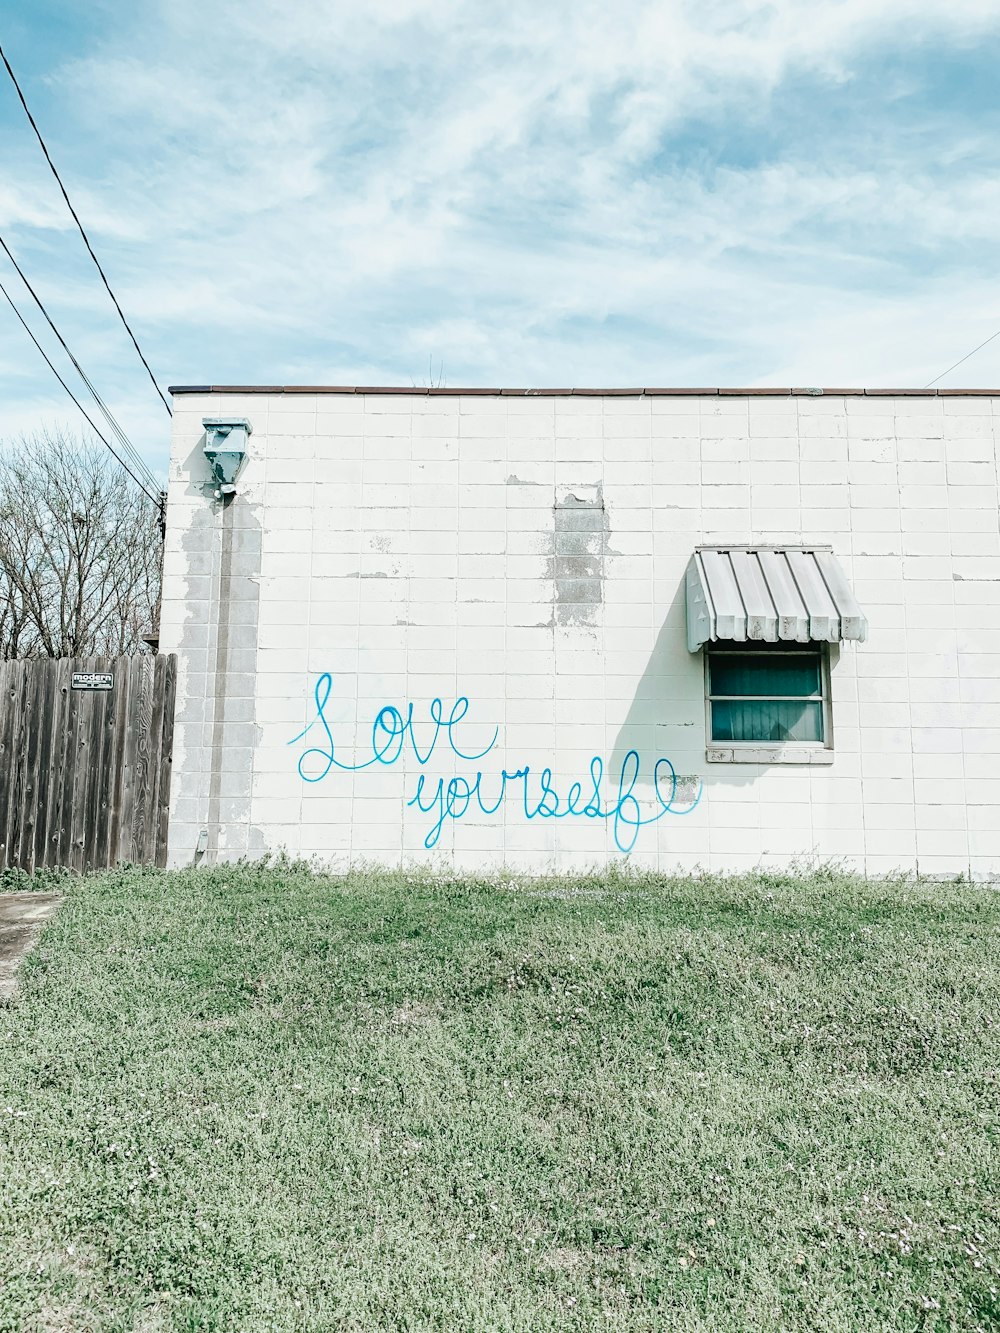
[(79, 551)]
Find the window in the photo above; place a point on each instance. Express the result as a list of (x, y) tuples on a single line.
[(764, 696)]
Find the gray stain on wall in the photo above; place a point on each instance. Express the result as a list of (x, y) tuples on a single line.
[(579, 548)]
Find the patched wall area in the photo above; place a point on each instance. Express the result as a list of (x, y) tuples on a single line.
[(579, 542), (440, 627)]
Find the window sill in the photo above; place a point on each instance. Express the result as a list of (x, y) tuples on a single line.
[(768, 754)]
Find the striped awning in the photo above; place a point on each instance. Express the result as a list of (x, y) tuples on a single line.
[(770, 594)]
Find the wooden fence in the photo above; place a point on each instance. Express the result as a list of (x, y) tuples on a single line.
[(85, 749)]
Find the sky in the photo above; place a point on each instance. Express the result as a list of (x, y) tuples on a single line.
[(717, 192)]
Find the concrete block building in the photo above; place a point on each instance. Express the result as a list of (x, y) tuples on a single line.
[(551, 629)]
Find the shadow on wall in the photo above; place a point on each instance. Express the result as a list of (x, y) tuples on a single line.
[(653, 713), (221, 553)]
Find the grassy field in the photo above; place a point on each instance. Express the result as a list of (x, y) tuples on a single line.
[(256, 1099)]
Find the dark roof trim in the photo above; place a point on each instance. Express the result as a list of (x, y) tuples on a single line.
[(586, 393)]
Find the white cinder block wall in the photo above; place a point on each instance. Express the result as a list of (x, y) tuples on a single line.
[(526, 553)]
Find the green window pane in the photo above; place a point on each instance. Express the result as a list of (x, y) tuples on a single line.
[(736, 673), (769, 721)]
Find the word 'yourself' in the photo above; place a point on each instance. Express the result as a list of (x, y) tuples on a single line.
[(393, 735)]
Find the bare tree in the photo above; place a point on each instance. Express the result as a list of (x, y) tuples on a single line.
[(79, 551)]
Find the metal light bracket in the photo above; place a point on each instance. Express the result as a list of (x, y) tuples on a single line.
[(226, 450)]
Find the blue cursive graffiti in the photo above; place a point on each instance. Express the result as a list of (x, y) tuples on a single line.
[(393, 734)]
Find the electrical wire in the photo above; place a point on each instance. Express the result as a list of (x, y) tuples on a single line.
[(123, 439), (964, 358), (86, 238), (76, 400)]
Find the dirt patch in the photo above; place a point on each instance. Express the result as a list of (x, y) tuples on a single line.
[(22, 916)]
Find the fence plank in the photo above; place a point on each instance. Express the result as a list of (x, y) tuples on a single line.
[(64, 803), (39, 759), (109, 722), (116, 725), (28, 750), (143, 723), (150, 821), (125, 852), (94, 705), (8, 696), (166, 758), (19, 755), (51, 759), (80, 759)]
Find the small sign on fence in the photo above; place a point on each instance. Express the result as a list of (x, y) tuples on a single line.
[(93, 680)]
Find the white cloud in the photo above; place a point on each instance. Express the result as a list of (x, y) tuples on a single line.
[(543, 193), (22, 208)]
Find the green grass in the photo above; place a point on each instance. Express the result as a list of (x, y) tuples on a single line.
[(257, 1099)]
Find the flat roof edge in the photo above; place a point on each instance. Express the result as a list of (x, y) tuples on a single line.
[(177, 389)]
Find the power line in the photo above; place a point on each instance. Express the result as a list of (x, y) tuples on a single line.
[(86, 238), (964, 358), (72, 395), (123, 439), (106, 411)]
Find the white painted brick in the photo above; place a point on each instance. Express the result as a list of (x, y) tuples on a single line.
[(881, 497), (783, 448), (975, 449), (926, 425), (918, 450), (880, 528), (724, 448), (974, 519), (773, 425), (821, 427), (867, 420), (972, 427)]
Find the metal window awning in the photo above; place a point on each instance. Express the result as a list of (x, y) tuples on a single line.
[(769, 594)]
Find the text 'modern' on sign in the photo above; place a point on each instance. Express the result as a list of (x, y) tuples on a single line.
[(93, 680)]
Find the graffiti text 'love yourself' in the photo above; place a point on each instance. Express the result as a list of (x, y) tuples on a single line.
[(538, 793)]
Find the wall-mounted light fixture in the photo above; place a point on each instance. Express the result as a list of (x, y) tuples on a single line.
[(226, 451)]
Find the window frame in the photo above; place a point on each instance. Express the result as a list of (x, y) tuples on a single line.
[(786, 752)]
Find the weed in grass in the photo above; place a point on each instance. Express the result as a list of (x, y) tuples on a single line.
[(47, 880)]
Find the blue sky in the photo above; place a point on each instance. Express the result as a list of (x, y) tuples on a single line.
[(562, 194)]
